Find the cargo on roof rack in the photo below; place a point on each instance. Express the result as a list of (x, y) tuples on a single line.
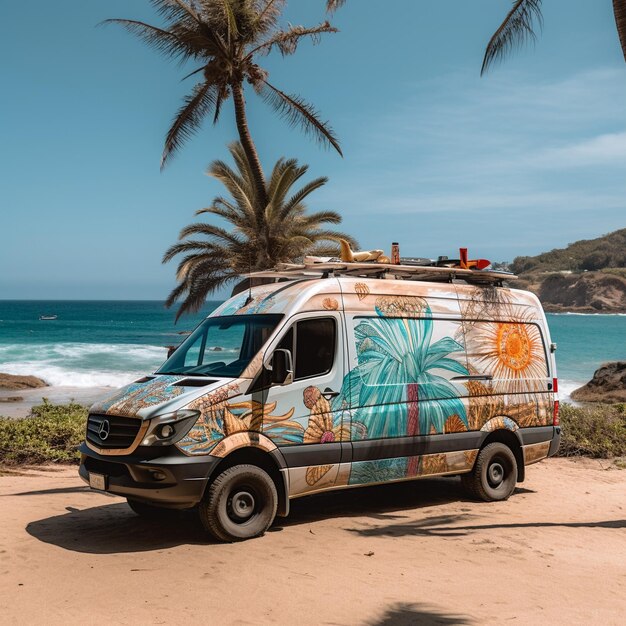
[(384, 270)]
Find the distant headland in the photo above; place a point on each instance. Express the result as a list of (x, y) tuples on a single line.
[(588, 276)]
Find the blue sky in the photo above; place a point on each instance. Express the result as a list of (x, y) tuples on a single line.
[(528, 158)]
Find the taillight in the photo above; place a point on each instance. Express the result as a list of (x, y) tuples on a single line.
[(555, 385), (555, 415)]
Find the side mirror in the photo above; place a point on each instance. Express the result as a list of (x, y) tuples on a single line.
[(281, 367)]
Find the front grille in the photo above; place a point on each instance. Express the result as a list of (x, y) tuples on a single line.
[(122, 431)]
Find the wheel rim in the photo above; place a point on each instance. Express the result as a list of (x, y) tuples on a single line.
[(241, 505), (496, 474)]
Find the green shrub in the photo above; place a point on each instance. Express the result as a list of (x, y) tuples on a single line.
[(52, 433), (598, 431)]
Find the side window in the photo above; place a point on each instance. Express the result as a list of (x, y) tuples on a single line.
[(508, 350), (315, 347), (312, 344)]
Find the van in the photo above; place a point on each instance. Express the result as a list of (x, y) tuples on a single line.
[(333, 377)]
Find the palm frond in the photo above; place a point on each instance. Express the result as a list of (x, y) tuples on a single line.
[(185, 246), (189, 118), (333, 5), (515, 30), (322, 217), (327, 249), (268, 16), (619, 9), (211, 231), (301, 194), (297, 112), (243, 166), (240, 189), (287, 41), (333, 235), (175, 10), (231, 21), (196, 71), (286, 172), (161, 40), (227, 212)]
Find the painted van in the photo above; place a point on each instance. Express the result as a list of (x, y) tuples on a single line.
[(320, 383)]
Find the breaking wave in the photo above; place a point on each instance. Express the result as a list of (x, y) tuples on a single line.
[(81, 364)]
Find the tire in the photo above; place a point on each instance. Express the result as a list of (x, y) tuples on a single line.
[(148, 511), (240, 504), (494, 475)]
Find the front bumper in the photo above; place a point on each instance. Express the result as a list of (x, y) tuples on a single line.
[(171, 480)]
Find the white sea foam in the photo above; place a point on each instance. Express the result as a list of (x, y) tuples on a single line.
[(66, 377), (81, 364), (566, 387)]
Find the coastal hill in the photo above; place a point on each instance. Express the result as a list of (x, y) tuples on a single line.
[(588, 276)]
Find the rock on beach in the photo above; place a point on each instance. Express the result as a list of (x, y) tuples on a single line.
[(607, 385), (11, 381)]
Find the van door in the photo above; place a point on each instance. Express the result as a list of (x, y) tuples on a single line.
[(405, 385), (305, 417)]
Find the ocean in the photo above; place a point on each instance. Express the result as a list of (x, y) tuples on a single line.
[(110, 343)]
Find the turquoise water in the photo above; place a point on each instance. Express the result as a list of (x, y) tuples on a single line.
[(584, 342), (110, 343), (91, 343)]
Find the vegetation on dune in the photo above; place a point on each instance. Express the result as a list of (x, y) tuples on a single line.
[(606, 252), (261, 232), (588, 276), (225, 40), (52, 433), (597, 431)]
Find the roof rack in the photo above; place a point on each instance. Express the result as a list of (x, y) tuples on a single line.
[(385, 270)]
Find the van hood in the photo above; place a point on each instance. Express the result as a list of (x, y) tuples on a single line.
[(156, 394)]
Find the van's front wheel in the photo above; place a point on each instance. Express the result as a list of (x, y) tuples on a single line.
[(240, 504), (494, 475)]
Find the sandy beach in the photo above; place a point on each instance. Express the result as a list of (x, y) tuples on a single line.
[(412, 553)]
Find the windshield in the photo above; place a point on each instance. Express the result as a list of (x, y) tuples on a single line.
[(221, 346)]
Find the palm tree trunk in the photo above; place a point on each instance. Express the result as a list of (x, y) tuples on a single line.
[(247, 143), (619, 8), (413, 424)]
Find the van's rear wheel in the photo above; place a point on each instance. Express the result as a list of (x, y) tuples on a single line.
[(494, 475), (240, 504)]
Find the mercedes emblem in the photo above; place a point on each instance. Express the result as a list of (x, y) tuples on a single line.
[(105, 429)]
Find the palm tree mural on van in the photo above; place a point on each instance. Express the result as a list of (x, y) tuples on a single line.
[(397, 346)]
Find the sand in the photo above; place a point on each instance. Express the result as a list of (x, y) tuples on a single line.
[(412, 553), (57, 395)]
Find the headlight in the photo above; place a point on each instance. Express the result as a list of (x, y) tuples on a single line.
[(166, 429)]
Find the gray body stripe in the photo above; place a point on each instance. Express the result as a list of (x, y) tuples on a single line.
[(376, 449)]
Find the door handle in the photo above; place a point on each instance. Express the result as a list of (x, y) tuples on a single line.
[(328, 393)]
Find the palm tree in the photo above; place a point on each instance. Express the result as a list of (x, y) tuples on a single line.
[(401, 349), (225, 38), (518, 26), (261, 234)]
